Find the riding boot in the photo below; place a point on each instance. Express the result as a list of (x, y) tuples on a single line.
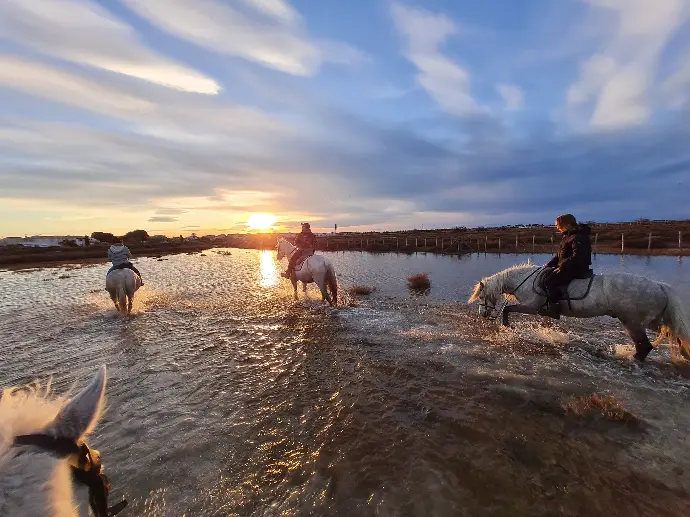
[(552, 310)]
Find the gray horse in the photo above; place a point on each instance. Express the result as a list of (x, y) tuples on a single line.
[(638, 303)]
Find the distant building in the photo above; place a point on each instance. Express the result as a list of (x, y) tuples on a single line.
[(44, 241)]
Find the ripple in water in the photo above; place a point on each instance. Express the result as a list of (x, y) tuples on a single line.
[(228, 398)]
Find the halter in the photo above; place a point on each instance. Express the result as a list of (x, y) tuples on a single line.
[(87, 472), (495, 313)]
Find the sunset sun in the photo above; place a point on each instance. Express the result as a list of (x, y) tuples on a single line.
[(260, 221)]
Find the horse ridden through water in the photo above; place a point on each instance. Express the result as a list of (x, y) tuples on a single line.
[(42, 453), (121, 284), (315, 268), (638, 303)]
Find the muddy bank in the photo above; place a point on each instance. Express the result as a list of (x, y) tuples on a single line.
[(16, 257)]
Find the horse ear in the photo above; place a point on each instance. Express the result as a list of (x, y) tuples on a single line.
[(481, 285), (78, 417)]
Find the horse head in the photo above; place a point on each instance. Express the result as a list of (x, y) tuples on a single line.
[(487, 293), (284, 248), (42, 451)]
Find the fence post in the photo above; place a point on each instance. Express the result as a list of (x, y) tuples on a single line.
[(533, 242), (622, 242), (499, 244), (436, 245), (326, 242), (425, 242), (459, 244), (415, 243), (680, 241), (397, 243), (516, 244), (649, 242), (406, 242), (486, 242)]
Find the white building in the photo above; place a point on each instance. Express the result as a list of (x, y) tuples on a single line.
[(44, 241)]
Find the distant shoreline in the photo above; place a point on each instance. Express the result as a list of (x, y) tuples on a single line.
[(646, 238), (31, 258)]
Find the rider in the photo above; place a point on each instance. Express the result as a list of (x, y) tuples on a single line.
[(305, 242), (119, 255), (572, 261)]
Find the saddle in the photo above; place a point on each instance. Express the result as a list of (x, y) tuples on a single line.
[(566, 294), (301, 259)]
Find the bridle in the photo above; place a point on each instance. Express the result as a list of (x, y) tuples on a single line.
[(87, 472), (493, 312)]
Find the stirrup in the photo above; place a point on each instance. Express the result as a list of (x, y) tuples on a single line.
[(550, 312)]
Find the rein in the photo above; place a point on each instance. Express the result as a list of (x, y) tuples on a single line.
[(87, 472)]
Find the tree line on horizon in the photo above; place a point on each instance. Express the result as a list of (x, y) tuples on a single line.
[(110, 238)]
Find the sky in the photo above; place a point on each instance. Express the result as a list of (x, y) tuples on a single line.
[(181, 116)]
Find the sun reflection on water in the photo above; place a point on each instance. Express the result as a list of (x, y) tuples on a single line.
[(269, 270)]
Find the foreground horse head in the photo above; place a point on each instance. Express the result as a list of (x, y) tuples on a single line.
[(42, 451), (640, 304), (121, 284), (315, 269)]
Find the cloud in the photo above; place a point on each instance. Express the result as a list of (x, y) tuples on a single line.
[(165, 113), (446, 81), (270, 33), (617, 79), (171, 211), (83, 32), (163, 219), (512, 96)]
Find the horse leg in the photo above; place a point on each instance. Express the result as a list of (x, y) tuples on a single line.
[(639, 336), (321, 282), (129, 304), (113, 298), (304, 286), (294, 285), (520, 309)]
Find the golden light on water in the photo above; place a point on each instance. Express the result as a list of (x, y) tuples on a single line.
[(268, 269), (261, 221)]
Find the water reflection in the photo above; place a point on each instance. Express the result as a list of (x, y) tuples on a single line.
[(268, 269)]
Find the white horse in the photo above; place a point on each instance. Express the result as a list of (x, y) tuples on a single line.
[(638, 303), (315, 269), (121, 284), (42, 451)]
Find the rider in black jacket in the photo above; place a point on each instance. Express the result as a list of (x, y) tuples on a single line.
[(305, 242), (572, 261)]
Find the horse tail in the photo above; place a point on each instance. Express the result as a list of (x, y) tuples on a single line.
[(121, 293), (332, 281), (676, 322)]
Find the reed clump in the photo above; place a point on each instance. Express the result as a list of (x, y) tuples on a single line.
[(419, 281)]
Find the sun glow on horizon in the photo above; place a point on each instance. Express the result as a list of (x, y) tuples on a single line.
[(261, 221)]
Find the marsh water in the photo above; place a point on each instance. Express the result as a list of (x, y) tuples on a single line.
[(226, 397)]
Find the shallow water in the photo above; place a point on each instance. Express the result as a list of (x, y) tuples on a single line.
[(227, 398)]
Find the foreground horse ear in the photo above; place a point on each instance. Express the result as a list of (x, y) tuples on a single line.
[(481, 285), (81, 413)]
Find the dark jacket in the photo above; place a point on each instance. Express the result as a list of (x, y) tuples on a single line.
[(575, 254), (305, 240)]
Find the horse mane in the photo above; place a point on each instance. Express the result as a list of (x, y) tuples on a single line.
[(493, 285), (25, 410)]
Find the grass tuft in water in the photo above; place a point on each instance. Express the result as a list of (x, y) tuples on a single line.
[(605, 405), (419, 281), (362, 289)]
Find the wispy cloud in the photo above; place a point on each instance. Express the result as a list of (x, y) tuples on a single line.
[(512, 95), (617, 78), (163, 219), (83, 32), (446, 81), (269, 32)]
